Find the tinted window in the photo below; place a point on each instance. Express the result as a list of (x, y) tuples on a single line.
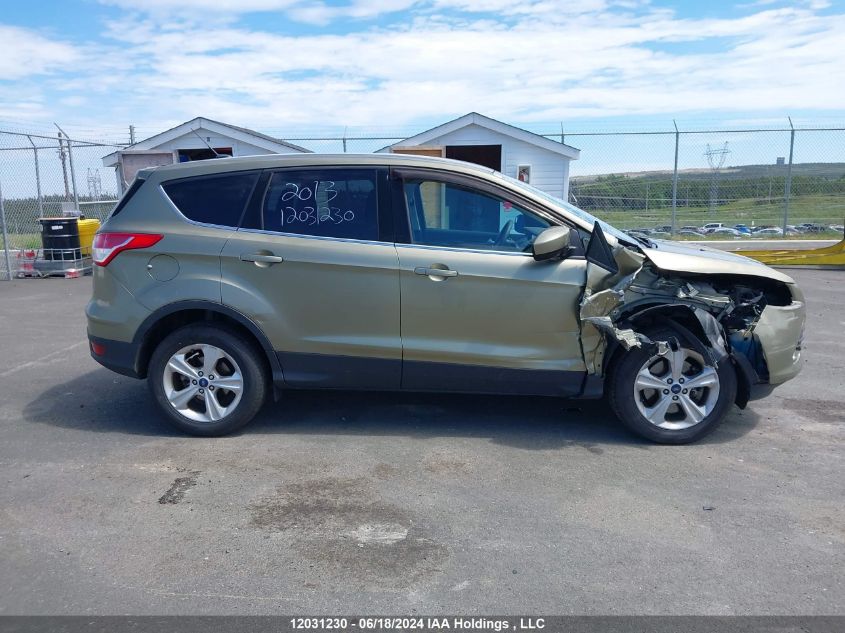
[(442, 214), (212, 199), (340, 203)]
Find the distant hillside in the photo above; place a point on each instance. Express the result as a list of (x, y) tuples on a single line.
[(832, 171), (758, 184)]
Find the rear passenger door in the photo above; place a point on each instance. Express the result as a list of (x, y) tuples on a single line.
[(314, 265)]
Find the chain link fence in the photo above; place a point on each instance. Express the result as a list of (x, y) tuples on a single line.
[(671, 183)]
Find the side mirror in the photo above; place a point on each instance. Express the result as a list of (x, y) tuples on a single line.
[(599, 251), (553, 243)]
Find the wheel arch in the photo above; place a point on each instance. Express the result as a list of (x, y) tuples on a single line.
[(686, 320), (174, 315)]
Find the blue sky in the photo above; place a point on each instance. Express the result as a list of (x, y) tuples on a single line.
[(397, 66)]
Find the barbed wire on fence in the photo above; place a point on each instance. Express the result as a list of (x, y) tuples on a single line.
[(776, 176)]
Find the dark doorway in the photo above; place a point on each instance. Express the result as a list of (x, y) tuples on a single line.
[(187, 155), (485, 155)]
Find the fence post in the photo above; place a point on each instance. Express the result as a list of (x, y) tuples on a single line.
[(787, 191), (72, 172), (344, 140), (675, 177), (6, 245), (37, 178)]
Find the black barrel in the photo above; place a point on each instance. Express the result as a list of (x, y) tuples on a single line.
[(60, 238)]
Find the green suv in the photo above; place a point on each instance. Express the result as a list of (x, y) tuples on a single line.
[(223, 281)]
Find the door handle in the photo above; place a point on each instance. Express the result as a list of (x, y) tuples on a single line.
[(435, 272), (260, 258)]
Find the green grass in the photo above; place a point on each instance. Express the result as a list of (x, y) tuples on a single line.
[(22, 240)]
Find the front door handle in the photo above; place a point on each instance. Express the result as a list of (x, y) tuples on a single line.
[(261, 258), (435, 272)]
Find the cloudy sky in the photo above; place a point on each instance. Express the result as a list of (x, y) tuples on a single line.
[(288, 65)]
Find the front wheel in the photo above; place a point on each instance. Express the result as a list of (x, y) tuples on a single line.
[(207, 380), (675, 398)]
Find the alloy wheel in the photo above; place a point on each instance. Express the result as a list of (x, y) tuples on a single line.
[(203, 383)]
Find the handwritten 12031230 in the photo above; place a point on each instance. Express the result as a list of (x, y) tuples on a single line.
[(315, 213)]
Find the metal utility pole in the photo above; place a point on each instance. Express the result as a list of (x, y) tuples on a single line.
[(63, 158), (131, 134), (37, 178), (675, 178), (72, 172), (787, 192), (716, 159), (5, 237)]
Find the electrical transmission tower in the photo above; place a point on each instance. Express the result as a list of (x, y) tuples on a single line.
[(95, 185), (716, 158)]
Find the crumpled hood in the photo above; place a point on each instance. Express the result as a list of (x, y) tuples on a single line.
[(694, 258)]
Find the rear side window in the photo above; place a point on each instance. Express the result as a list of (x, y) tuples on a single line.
[(136, 184), (340, 203), (218, 199)]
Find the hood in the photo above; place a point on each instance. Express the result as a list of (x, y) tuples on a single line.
[(694, 258)]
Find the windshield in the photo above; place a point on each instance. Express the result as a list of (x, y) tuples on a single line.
[(571, 209)]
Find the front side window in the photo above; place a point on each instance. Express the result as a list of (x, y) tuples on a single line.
[(444, 214), (339, 203), (218, 199)]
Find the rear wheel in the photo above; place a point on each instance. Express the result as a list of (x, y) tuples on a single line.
[(207, 380), (673, 398)]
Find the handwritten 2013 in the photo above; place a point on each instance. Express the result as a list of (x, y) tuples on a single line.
[(317, 212)]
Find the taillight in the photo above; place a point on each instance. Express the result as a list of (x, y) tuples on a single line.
[(108, 245)]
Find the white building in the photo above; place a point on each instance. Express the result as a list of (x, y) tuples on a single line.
[(513, 151), (196, 139)]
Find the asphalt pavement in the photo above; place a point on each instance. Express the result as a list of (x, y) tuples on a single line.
[(341, 502)]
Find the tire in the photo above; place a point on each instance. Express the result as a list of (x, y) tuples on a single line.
[(639, 380), (208, 380)]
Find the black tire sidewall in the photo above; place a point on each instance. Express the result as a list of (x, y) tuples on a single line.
[(622, 396), (245, 355)]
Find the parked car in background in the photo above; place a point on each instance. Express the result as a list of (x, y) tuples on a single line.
[(690, 233), (226, 282), (725, 231), (710, 226), (839, 228), (768, 232), (742, 228), (811, 227)]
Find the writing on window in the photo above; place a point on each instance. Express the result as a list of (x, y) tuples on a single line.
[(340, 203)]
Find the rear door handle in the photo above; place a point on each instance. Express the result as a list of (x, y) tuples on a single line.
[(435, 272), (259, 258)]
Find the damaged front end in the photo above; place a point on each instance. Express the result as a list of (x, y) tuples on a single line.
[(741, 314)]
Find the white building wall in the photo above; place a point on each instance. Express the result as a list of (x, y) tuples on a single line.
[(549, 171)]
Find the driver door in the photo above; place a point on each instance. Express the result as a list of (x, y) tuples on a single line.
[(478, 314)]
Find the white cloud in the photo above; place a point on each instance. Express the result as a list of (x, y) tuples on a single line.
[(25, 52), (543, 61)]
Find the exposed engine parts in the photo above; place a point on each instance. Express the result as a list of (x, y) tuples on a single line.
[(720, 310)]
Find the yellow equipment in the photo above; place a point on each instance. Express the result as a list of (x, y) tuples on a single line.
[(87, 228), (833, 255)]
